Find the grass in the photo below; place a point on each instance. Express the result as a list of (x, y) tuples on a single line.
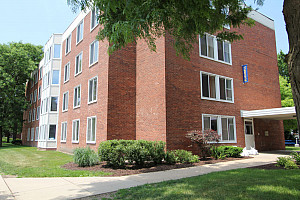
[(291, 148), (25, 161), (235, 184)]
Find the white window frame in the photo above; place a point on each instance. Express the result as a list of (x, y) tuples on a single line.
[(64, 127), (77, 106), (217, 84), (68, 72), (215, 43), (219, 124), (56, 104), (69, 41), (28, 134), (41, 73), (38, 111), (32, 134), (64, 102), (36, 77), (96, 16), (75, 121), (34, 95), (31, 98), (29, 116), (49, 132), (79, 72), (87, 130), (36, 136), (97, 53), (57, 77), (93, 100), (39, 92), (81, 24), (33, 115)]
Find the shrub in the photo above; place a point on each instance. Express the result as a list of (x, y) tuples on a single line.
[(218, 153), (17, 142), (296, 157), (85, 157), (222, 152), (204, 140), (290, 165), (183, 156), (170, 157), (282, 160)]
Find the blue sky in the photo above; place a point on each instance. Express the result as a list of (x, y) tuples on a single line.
[(34, 21)]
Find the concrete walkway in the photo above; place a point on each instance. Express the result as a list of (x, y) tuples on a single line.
[(76, 187)]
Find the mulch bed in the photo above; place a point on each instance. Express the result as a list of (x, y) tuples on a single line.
[(269, 166), (150, 168)]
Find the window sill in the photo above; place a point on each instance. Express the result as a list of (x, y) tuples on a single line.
[(94, 27), (218, 100), (66, 81), (75, 142), (91, 142), (92, 102), (219, 61), (78, 73), (77, 43), (63, 141), (63, 111), (94, 63), (67, 53), (76, 107)]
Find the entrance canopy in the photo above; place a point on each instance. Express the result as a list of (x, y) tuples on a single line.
[(273, 113)]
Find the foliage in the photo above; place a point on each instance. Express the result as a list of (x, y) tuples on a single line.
[(85, 157), (282, 66), (170, 157), (24, 161), (287, 162), (123, 22), (222, 152), (204, 140), (290, 165), (282, 160), (17, 142), (183, 156), (137, 152), (296, 157)]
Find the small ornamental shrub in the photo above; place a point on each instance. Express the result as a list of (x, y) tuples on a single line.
[(183, 156), (170, 157), (85, 157), (204, 140), (222, 152), (296, 157), (218, 153), (17, 142), (290, 164), (282, 160)]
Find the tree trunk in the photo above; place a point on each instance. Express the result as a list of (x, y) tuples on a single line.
[(0, 136), (291, 12)]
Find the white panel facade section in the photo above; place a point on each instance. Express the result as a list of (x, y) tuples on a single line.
[(74, 24), (54, 91), (57, 38), (264, 20), (53, 118), (56, 64)]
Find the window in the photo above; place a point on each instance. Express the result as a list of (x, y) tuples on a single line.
[(34, 95), (31, 98), (248, 128), (36, 77), (216, 87), (28, 134), (75, 131), (39, 93), (32, 134), (79, 35), (224, 125), (63, 137), (52, 132), (94, 20), (57, 50), (41, 73), (55, 77), (67, 72), (46, 80), (77, 96), (94, 52), (50, 52), (93, 90), (36, 138), (91, 130), (33, 115), (78, 64), (44, 106), (38, 112), (211, 47), (68, 44), (54, 101), (29, 116), (43, 132), (65, 101)]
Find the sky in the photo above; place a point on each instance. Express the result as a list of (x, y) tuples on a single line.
[(34, 21)]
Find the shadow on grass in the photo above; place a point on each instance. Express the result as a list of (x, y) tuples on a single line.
[(12, 146)]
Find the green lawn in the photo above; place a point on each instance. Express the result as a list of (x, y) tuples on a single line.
[(291, 148), (235, 184), (29, 162)]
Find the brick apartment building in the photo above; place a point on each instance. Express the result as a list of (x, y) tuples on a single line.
[(84, 96)]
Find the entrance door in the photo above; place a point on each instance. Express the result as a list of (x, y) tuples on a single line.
[(249, 134)]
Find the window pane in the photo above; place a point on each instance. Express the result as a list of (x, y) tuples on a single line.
[(95, 89), (214, 124), (220, 51), (92, 54), (54, 103), (205, 90), (90, 90), (57, 50), (52, 132), (55, 77), (228, 89), (89, 130), (222, 88), (210, 41), (77, 130), (203, 46), (212, 87), (226, 52), (96, 51), (224, 129), (93, 136), (206, 123), (231, 129)]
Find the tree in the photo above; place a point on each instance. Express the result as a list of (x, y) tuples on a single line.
[(124, 21), (17, 61), (282, 66)]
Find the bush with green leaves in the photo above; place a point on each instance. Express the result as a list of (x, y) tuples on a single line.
[(85, 157), (296, 157), (282, 160), (222, 152), (290, 164), (137, 152), (17, 142), (183, 156), (170, 157)]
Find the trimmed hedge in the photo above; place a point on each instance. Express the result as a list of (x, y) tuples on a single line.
[(222, 152), (17, 142), (137, 152), (85, 157)]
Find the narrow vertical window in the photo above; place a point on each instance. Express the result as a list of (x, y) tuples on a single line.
[(91, 130), (78, 64), (34, 95), (55, 77), (29, 116), (28, 134), (79, 35), (94, 18), (52, 132), (38, 112), (63, 137), (93, 90), (68, 44), (94, 52), (67, 72), (57, 50), (32, 134), (54, 101), (36, 138), (31, 98), (75, 131), (65, 101), (33, 114), (41, 73), (39, 93), (77, 96)]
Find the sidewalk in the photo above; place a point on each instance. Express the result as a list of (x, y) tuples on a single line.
[(76, 187)]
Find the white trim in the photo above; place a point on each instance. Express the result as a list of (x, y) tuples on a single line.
[(91, 64), (57, 107), (91, 117), (66, 123), (68, 64), (82, 24), (76, 63), (53, 84), (97, 23), (75, 120), (93, 101), (264, 20), (70, 36), (56, 127), (36, 136), (275, 113), (67, 92), (77, 96)]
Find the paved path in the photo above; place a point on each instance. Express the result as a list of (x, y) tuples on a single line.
[(76, 187)]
